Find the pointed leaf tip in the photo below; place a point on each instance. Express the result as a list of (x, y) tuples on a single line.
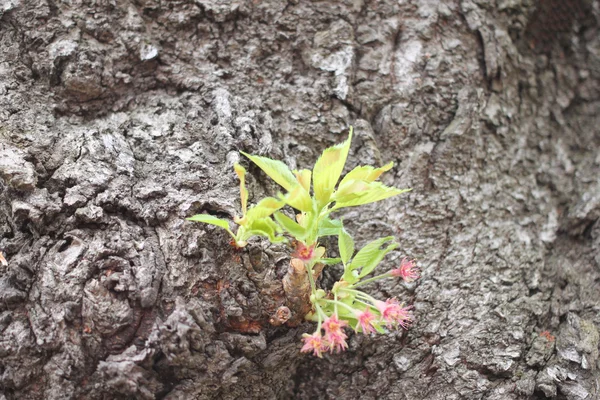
[(275, 169), (328, 168)]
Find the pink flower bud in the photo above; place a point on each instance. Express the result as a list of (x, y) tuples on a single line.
[(314, 343), (408, 271), (303, 252), (394, 314), (365, 321), (334, 333)]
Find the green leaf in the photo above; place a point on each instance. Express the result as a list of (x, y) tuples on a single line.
[(212, 220), (351, 190), (371, 254), (264, 227), (379, 328), (209, 219), (358, 180), (264, 208), (346, 246), (350, 276), (276, 170), (365, 173), (330, 227), (303, 178), (330, 261), (327, 170), (241, 173), (298, 198), (291, 226), (375, 192)]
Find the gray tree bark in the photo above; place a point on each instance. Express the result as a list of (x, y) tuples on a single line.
[(120, 118)]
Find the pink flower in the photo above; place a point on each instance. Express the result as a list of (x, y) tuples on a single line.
[(334, 333), (314, 343), (407, 271), (303, 252), (394, 314), (365, 320)]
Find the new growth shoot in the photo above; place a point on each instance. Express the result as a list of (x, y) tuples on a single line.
[(314, 195)]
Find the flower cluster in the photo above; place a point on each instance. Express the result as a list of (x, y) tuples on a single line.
[(314, 195), (355, 309), (387, 313)]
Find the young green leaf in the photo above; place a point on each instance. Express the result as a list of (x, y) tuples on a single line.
[(276, 170), (358, 180), (309, 221), (346, 246), (241, 173), (330, 261), (365, 173), (327, 170), (379, 328), (298, 198), (350, 276), (264, 208), (303, 178), (351, 190), (264, 227), (371, 254), (212, 220), (376, 191), (292, 227), (209, 219), (330, 227)]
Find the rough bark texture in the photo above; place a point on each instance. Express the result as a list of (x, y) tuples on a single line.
[(119, 118)]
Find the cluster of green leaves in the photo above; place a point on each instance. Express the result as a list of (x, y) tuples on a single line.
[(312, 221), (366, 259), (255, 221)]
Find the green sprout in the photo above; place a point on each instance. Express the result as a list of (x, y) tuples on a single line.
[(344, 305)]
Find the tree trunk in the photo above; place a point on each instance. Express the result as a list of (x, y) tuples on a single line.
[(119, 119)]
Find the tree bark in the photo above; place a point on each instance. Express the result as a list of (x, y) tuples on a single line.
[(119, 119)]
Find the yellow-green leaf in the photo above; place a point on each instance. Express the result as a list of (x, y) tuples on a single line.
[(303, 178), (330, 261), (288, 224), (327, 170), (376, 192), (264, 208), (264, 227), (241, 173), (350, 276), (330, 227), (365, 173), (379, 328), (298, 198), (276, 170), (212, 220), (346, 246), (351, 190), (370, 255), (209, 219)]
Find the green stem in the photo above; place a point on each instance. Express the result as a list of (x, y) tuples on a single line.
[(363, 295), (336, 303), (319, 214), (311, 278), (320, 311), (365, 303), (375, 278), (319, 315)]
